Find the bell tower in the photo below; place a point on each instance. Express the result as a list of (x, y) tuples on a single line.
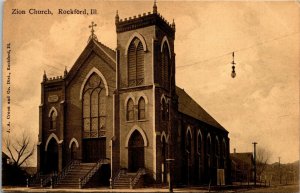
[(141, 41), (145, 85)]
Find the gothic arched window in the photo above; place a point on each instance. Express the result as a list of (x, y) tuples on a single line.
[(208, 149), (130, 110), (94, 108), (217, 147), (208, 145), (199, 143), (141, 109), (165, 67), (163, 110), (53, 116), (135, 63), (188, 143), (223, 148)]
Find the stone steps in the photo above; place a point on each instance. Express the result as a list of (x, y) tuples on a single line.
[(124, 181), (71, 180)]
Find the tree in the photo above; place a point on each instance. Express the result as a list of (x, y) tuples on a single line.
[(262, 158), (20, 150)]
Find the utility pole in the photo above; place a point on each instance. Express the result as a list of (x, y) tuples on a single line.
[(170, 159), (279, 171), (254, 143)]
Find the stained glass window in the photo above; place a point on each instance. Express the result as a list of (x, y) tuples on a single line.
[(94, 108)]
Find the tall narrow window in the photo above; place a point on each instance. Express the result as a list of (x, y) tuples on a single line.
[(130, 110), (139, 64), (93, 107), (167, 111), (217, 152), (223, 149), (53, 117), (163, 110), (165, 67), (135, 63), (141, 109), (208, 145), (224, 153), (199, 143), (188, 143), (208, 150), (217, 147), (131, 65)]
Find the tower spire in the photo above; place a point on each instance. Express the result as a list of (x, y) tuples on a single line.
[(173, 25), (45, 76), (117, 17), (154, 7), (66, 71)]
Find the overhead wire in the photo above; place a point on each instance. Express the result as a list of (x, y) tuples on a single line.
[(238, 50)]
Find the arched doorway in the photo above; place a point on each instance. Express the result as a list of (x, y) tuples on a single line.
[(136, 155), (52, 156), (73, 151)]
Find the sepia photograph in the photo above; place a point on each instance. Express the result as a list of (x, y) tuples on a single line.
[(150, 96)]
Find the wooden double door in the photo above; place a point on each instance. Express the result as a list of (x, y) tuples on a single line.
[(52, 157), (136, 154), (94, 149)]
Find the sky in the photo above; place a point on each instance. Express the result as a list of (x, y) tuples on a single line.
[(260, 104)]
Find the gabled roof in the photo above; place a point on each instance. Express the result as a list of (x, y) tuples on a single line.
[(188, 106), (244, 157), (93, 46), (107, 50)]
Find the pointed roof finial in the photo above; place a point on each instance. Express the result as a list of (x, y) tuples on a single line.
[(93, 36), (66, 71), (154, 7), (45, 76), (117, 17), (173, 24)]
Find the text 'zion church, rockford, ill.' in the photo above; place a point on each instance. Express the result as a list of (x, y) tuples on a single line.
[(118, 114)]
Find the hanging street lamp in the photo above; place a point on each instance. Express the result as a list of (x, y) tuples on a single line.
[(233, 74)]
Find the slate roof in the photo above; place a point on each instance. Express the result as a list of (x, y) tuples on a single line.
[(107, 54), (108, 50), (190, 107)]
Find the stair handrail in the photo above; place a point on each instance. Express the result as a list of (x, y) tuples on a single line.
[(139, 173), (46, 180), (116, 177), (35, 179), (66, 169), (83, 180)]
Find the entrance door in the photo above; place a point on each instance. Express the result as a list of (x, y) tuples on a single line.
[(135, 152), (73, 151), (94, 149), (52, 157)]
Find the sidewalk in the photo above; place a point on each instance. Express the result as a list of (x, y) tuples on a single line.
[(24, 189), (229, 188)]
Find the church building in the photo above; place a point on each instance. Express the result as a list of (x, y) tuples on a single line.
[(121, 109)]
